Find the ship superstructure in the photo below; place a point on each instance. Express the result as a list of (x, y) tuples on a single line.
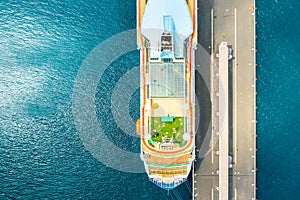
[(167, 36)]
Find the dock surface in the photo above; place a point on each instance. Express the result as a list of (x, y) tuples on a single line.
[(231, 21)]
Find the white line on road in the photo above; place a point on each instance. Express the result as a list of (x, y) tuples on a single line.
[(212, 193), (211, 79), (235, 89), (212, 155), (212, 30), (235, 193)]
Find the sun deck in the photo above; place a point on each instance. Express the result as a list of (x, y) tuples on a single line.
[(167, 80), (161, 107), (168, 107)]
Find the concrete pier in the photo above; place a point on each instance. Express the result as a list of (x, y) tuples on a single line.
[(233, 22), (223, 121)]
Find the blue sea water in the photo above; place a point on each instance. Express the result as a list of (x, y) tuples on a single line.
[(278, 99), (42, 47)]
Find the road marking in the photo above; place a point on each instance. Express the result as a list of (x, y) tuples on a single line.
[(212, 156), (235, 89), (212, 30), (212, 78), (235, 193), (212, 193)]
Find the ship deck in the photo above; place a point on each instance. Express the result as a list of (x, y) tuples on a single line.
[(167, 90)]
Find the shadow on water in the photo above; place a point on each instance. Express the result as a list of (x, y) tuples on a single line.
[(204, 103), (202, 91), (230, 123), (204, 23)]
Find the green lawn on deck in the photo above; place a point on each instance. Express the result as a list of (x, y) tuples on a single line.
[(174, 130)]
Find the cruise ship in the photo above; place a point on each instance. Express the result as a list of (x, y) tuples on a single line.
[(167, 39)]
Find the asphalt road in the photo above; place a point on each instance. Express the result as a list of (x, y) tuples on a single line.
[(233, 22)]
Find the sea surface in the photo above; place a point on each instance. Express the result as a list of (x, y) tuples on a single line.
[(278, 99), (43, 45)]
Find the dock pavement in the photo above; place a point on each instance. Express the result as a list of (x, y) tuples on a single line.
[(231, 21)]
